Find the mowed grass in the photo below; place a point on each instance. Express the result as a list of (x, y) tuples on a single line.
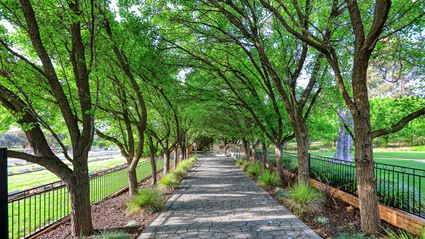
[(385, 155), (404, 159), (30, 180), (37, 211), (17, 169)]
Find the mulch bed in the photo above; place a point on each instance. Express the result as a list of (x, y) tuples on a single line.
[(110, 215), (342, 218)]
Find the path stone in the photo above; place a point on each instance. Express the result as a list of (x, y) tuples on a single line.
[(218, 201)]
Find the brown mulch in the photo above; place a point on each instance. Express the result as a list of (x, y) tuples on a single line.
[(342, 218), (110, 215)]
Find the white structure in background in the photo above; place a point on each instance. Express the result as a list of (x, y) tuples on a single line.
[(345, 141)]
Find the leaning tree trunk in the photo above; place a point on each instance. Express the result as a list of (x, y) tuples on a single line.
[(278, 155), (132, 180), (79, 189), (302, 138)]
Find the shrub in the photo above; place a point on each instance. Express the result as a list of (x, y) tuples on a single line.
[(269, 179), (113, 235), (301, 199), (417, 148), (169, 181), (150, 200), (254, 170)]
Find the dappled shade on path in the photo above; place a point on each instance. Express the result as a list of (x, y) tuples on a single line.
[(218, 201)]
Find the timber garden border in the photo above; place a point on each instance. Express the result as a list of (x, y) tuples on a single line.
[(400, 189)]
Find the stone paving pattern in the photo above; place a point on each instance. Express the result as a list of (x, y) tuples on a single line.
[(218, 201)]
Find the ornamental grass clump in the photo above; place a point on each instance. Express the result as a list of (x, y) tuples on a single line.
[(169, 181), (246, 164), (254, 170), (185, 165), (302, 198), (180, 173), (239, 162), (149, 200), (113, 235), (269, 179), (400, 234)]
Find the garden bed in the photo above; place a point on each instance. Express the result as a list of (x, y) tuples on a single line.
[(342, 220), (110, 215), (335, 219)]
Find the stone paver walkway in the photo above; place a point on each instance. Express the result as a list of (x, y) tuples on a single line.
[(218, 201)]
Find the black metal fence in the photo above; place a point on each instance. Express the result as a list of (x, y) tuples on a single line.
[(397, 186), (35, 209)]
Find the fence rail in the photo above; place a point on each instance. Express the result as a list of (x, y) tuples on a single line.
[(397, 186), (35, 209)]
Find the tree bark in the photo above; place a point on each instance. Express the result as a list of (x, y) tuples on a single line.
[(302, 138), (264, 155), (254, 152), (152, 153), (166, 162), (366, 181), (246, 149), (79, 189), (278, 156), (176, 156), (132, 181)]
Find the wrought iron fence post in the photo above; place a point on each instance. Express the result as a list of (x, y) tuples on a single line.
[(4, 226)]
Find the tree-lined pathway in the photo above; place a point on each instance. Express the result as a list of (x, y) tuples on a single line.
[(218, 201)]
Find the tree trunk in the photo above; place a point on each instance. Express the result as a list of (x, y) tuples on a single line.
[(79, 189), (366, 181), (132, 181), (366, 187), (278, 155), (176, 156), (152, 152), (264, 155), (153, 164), (246, 148), (254, 152), (302, 138), (166, 162)]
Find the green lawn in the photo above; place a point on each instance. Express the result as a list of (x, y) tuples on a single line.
[(30, 180), (406, 159), (37, 211), (386, 155)]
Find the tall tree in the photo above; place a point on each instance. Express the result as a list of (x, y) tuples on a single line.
[(358, 28), (55, 52)]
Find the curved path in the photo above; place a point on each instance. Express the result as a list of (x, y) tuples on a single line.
[(218, 201)]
